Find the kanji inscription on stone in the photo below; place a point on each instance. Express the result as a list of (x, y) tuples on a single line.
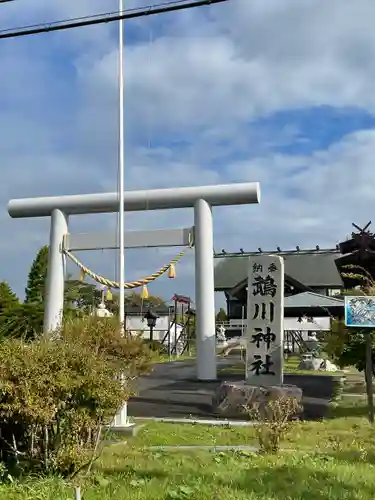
[(262, 366), (265, 321)]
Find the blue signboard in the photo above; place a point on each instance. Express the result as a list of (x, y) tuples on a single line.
[(360, 311)]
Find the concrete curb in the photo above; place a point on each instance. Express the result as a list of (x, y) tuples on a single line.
[(250, 449), (130, 430), (223, 422), (315, 401), (191, 421)]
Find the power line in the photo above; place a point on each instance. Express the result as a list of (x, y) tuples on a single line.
[(103, 17), (49, 26), (80, 22)]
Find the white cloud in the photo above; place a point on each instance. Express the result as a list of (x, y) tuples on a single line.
[(193, 82)]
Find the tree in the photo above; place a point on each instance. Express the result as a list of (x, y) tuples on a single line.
[(36, 282), (26, 319), (221, 316), (8, 299), (134, 299), (347, 346), (349, 292), (80, 297), (9, 310)]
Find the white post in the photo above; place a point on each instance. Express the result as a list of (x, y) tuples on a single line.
[(204, 292), (121, 172), (121, 419), (54, 299)]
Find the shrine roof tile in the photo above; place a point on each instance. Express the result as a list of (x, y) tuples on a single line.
[(312, 269)]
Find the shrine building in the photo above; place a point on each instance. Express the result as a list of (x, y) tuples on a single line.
[(314, 278)]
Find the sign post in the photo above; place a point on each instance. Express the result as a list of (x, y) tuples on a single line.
[(360, 313), (265, 321)]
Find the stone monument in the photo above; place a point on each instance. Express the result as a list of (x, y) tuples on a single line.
[(221, 339), (264, 342), (102, 312)]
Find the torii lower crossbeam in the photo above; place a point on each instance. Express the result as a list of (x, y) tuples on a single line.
[(202, 198)]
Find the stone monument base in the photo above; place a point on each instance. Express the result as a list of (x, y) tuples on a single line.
[(232, 398)]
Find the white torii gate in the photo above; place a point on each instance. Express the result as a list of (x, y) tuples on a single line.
[(202, 198)]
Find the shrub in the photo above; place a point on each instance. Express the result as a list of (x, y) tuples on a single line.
[(275, 421), (156, 346), (56, 394), (346, 346)]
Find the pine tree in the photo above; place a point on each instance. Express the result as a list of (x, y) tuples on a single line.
[(36, 282), (10, 307), (8, 299), (221, 316)]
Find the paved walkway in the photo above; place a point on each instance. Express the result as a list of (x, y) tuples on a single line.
[(171, 391)]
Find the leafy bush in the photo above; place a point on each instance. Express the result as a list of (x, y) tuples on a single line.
[(347, 346), (275, 421), (156, 347), (336, 340), (354, 351), (56, 394)]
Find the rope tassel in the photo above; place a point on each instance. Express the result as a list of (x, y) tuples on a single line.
[(144, 294), (172, 271)]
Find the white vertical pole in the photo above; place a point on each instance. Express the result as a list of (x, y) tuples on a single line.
[(54, 299), (121, 170), (121, 419), (242, 321), (204, 292)]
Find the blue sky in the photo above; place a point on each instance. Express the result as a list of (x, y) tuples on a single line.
[(276, 91), (315, 128)]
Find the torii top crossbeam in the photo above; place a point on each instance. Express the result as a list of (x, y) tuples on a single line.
[(135, 201)]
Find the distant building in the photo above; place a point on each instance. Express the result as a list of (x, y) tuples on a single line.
[(313, 278), (314, 281), (317, 271)]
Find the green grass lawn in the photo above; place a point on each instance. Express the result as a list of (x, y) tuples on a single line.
[(164, 358), (205, 476), (330, 460)]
